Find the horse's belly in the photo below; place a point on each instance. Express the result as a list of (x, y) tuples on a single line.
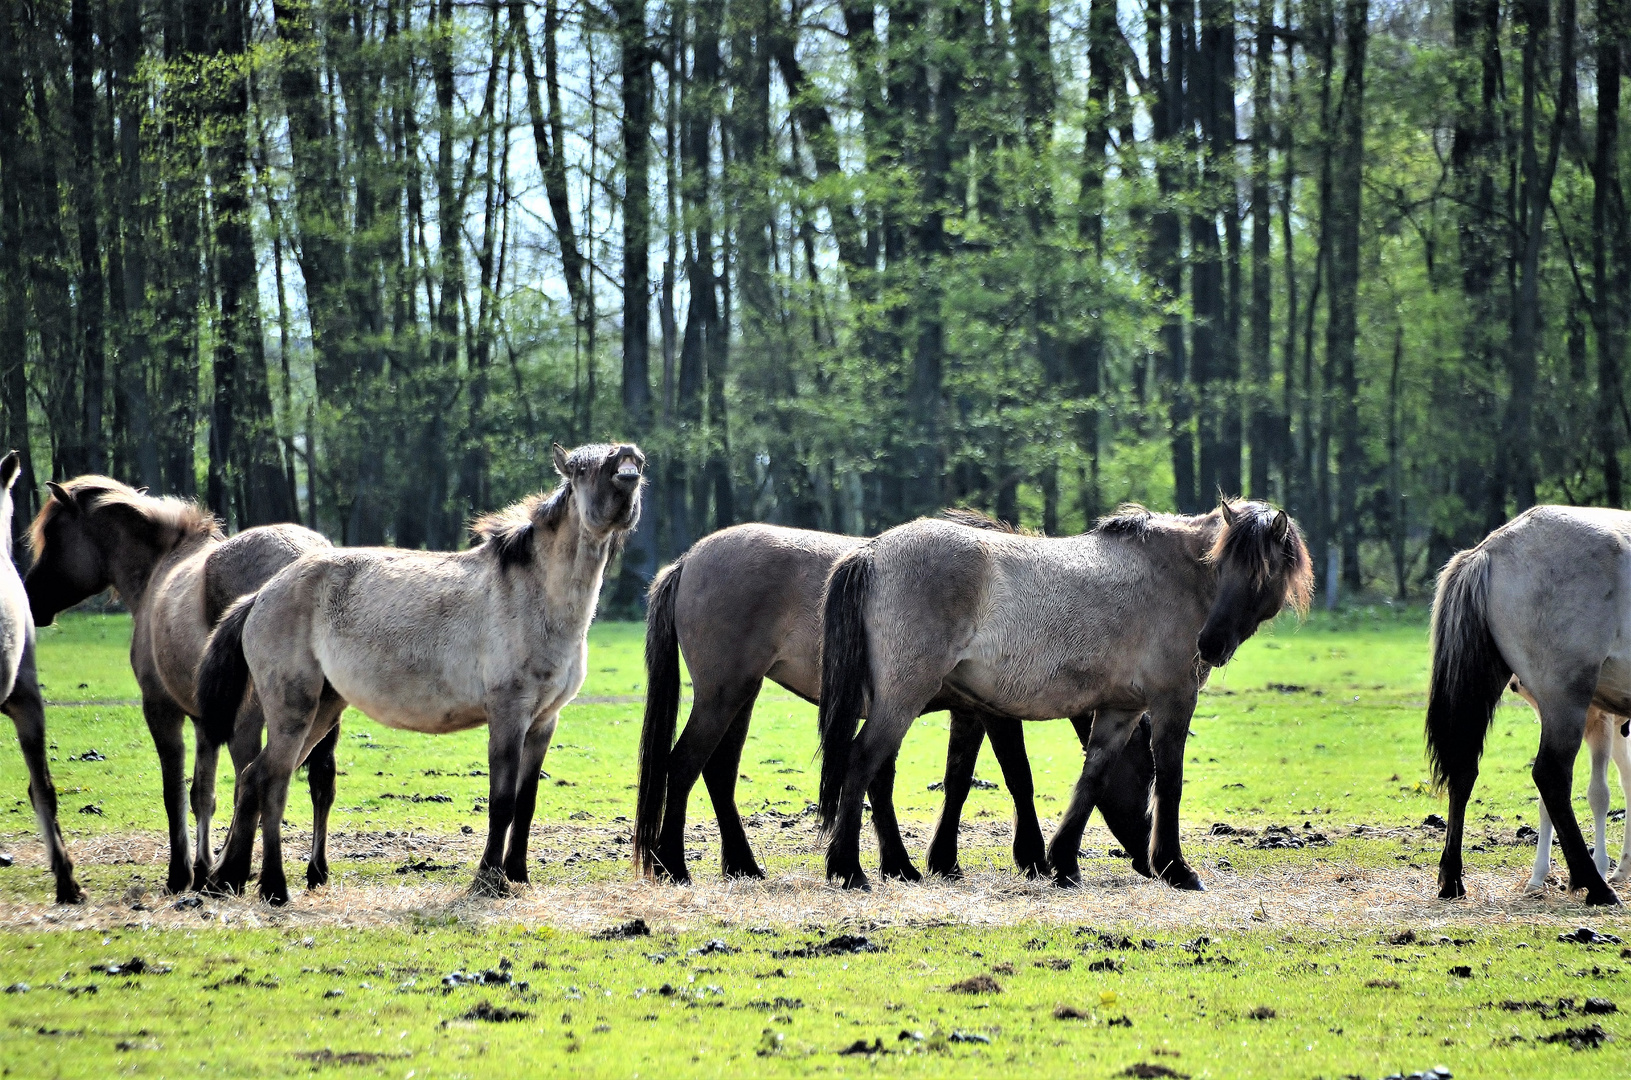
[(408, 702), (1028, 691)]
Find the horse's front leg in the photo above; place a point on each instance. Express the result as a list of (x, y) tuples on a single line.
[(164, 722), (893, 859), (27, 711), (1543, 852), (1008, 747), (1597, 736), (1107, 732), (1169, 731), (206, 758), (962, 753), (507, 728), (1124, 801), (533, 750)]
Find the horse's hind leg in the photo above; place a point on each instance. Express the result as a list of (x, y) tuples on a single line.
[(1597, 732), (1124, 802), (1543, 851), (735, 852), (526, 798), (206, 758), (962, 753), (164, 723), (712, 713), (320, 774), (1106, 733), (27, 712), (893, 859), (873, 752), (1008, 746), (1562, 724)]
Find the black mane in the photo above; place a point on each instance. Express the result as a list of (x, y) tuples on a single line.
[(1130, 520)]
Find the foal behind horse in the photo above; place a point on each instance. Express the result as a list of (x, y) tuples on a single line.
[(425, 641)]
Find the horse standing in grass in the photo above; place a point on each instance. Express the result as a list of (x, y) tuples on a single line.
[(1546, 597), (1126, 619), (425, 641), (20, 696), (1606, 737), (744, 605), (176, 573)]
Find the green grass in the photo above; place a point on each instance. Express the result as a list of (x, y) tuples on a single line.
[(1317, 722)]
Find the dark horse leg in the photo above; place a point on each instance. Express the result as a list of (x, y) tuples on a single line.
[(713, 711), (164, 722), (508, 725), (1124, 802), (206, 759), (526, 798), (320, 774), (27, 711), (962, 752), (893, 859), (1107, 734), (1562, 724), (1169, 730), (720, 773)]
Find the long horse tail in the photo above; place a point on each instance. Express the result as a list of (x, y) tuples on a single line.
[(846, 671), (1469, 672), (662, 713), (223, 674)]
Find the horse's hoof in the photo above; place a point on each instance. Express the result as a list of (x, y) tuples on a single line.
[(223, 886), (902, 872), (201, 874), (852, 879), (316, 877), (1142, 868), (750, 871), (1068, 878), (1034, 871), (1451, 890), (954, 872), (1184, 879), (1604, 898), (275, 893), (490, 883), (179, 881), (1535, 887), (69, 892)]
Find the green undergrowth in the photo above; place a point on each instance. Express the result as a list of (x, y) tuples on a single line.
[(443, 999)]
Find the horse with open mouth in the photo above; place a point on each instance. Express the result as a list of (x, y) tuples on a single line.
[(1126, 619), (429, 641)]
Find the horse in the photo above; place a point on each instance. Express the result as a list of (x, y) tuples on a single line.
[(1544, 597), (1606, 736), (174, 570), (426, 641), (1103, 627), (744, 605), (20, 696)]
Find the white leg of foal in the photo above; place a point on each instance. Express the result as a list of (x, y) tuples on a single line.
[(1597, 737), (1543, 852), (1619, 748)]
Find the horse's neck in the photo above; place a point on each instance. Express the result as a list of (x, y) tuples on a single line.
[(133, 561), (571, 568)]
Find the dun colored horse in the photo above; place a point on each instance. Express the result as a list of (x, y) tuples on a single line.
[(170, 565), (20, 696), (425, 641), (744, 605), (1117, 622), (1544, 597), (1606, 737)]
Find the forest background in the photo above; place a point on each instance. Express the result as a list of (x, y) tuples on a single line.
[(832, 263)]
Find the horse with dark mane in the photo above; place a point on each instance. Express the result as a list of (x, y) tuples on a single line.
[(20, 696), (176, 574), (744, 605), (429, 641), (1106, 626), (1544, 597)]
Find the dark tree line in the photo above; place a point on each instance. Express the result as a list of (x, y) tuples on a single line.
[(358, 262)]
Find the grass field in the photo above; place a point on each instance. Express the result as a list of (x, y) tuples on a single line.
[(1313, 727)]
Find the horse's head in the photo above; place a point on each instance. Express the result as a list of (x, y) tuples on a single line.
[(1262, 566), (94, 532), (605, 484)]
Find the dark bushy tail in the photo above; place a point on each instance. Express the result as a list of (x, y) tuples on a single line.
[(1469, 673), (846, 671), (662, 713), (223, 674)]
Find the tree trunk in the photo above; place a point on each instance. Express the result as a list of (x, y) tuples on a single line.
[(1611, 269), (1342, 328), (13, 282), (93, 356), (1263, 428)]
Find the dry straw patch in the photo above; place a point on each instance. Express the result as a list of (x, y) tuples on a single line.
[(1328, 895)]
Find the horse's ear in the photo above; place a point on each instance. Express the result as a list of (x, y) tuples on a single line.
[(142, 490), (1282, 525), (1230, 515), (60, 493), (9, 468), (560, 458)]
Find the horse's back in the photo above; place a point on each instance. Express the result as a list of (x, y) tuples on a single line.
[(1559, 596), (749, 604), (247, 561)]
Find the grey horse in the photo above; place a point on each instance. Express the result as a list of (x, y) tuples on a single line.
[(1546, 597), (20, 686), (1117, 622), (176, 573), (744, 605), (427, 641)]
